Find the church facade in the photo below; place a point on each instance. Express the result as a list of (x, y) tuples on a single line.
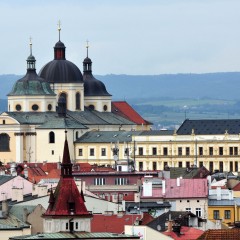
[(42, 106)]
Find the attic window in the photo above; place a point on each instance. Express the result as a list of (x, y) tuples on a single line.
[(98, 135), (115, 135)]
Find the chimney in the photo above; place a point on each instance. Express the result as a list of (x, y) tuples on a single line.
[(219, 195), (170, 226), (178, 182), (25, 215), (163, 187), (5, 207)]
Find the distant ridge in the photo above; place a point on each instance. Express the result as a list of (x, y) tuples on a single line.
[(207, 85)]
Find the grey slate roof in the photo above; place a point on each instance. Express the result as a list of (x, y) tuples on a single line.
[(107, 136), (217, 126), (157, 133), (74, 119), (223, 202), (5, 178), (76, 235), (12, 222), (17, 210)]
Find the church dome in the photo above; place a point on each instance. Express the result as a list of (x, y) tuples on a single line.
[(92, 86), (61, 70), (31, 83)]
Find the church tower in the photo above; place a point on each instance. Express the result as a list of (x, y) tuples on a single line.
[(96, 95), (31, 93), (66, 211), (65, 78)]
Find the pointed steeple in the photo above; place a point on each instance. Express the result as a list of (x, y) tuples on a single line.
[(66, 166)]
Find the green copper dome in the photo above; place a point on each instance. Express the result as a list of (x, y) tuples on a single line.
[(31, 83)]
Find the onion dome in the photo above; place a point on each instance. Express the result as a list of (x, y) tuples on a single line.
[(61, 70), (92, 86), (31, 83)]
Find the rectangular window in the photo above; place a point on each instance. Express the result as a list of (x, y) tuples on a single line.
[(211, 151), (230, 150), (211, 166), (198, 212), (154, 151), (91, 151), (216, 214), (165, 151), (140, 166), (200, 164), (165, 165), (220, 150), (126, 152), (52, 152), (227, 214), (188, 209), (80, 152), (121, 181), (235, 151), (200, 151), (99, 181), (187, 164), (179, 151), (76, 225), (154, 164), (236, 166), (140, 151), (231, 166), (103, 151), (187, 151), (221, 166), (180, 164), (4, 122), (66, 226)]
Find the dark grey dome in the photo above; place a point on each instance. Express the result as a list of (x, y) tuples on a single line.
[(59, 44), (93, 87), (31, 84), (61, 71)]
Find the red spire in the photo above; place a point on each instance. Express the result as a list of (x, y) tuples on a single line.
[(66, 166)]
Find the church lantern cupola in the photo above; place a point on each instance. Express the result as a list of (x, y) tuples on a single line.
[(31, 59), (87, 63), (59, 48)]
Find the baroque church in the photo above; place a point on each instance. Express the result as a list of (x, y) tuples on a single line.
[(42, 106)]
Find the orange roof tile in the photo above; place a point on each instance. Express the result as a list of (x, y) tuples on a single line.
[(221, 234), (123, 109)]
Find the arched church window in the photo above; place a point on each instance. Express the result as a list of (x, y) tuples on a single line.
[(65, 97), (78, 100), (91, 107), (51, 137), (4, 142)]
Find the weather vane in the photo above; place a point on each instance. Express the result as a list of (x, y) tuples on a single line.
[(87, 46), (59, 28), (30, 43)]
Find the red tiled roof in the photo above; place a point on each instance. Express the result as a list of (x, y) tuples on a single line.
[(147, 218), (189, 188), (123, 109), (66, 197), (187, 233), (221, 234), (112, 223), (237, 187)]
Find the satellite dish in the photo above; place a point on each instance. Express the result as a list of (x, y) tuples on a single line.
[(159, 227)]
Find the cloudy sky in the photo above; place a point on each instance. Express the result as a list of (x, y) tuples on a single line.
[(126, 36)]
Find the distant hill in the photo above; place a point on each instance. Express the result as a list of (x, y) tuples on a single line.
[(209, 85)]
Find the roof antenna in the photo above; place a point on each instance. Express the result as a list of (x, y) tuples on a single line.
[(87, 46), (59, 29)]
